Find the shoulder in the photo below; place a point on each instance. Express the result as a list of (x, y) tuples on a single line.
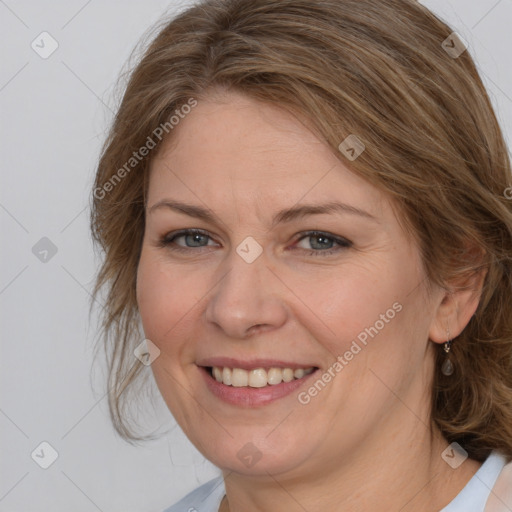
[(477, 494), (205, 498), (500, 498)]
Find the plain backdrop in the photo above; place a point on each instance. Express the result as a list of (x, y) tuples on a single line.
[(55, 112)]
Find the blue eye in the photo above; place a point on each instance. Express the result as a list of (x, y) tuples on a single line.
[(324, 244), (321, 243), (193, 238)]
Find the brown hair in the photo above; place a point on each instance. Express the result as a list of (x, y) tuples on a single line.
[(379, 70)]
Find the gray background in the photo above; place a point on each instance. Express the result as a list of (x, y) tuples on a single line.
[(54, 116)]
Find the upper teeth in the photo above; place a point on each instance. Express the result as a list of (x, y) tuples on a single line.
[(257, 378)]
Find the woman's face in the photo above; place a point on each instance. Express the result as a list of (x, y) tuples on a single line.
[(277, 281)]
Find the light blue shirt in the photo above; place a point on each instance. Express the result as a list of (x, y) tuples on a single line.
[(472, 498)]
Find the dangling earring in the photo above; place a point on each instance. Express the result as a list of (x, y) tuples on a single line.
[(447, 368)]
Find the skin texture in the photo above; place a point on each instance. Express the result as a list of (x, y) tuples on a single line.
[(364, 442)]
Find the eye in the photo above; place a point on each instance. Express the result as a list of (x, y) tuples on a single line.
[(193, 238), (323, 244)]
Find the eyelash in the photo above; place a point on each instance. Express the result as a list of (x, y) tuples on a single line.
[(168, 241)]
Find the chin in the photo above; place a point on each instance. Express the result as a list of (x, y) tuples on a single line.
[(254, 453)]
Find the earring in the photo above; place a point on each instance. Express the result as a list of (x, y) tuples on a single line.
[(447, 368)]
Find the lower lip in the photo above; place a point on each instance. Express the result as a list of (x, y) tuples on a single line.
[(251, 397)]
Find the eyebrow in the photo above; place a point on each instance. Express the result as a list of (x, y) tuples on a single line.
[(283, 216)]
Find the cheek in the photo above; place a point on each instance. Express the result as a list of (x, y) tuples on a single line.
[(368, 312), (165, 297), (344, 303)]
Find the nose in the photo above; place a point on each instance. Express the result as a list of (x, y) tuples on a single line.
[(247, 299)]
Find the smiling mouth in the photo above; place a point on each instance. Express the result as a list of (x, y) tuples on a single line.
[(258, 377)]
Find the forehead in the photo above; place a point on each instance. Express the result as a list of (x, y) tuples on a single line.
[(245, 150)]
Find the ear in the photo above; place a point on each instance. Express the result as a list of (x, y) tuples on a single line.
[(457, 305)]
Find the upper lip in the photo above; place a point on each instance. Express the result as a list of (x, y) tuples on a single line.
[(251, 364)]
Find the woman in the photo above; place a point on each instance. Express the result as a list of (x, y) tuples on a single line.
[(304, 204)]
